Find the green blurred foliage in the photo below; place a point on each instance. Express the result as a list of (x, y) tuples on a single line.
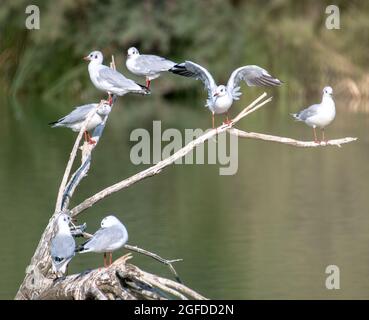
[(287, 37)]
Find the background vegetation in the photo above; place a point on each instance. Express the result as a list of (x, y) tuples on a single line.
[(289, 37)]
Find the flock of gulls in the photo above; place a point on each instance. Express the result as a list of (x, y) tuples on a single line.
[(113, 235)]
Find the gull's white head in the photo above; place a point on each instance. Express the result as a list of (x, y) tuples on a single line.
[(220, 91), (109, 221), (328, 91), (63, 219), (95, 56), (104, 109), (132, 52), (63, 223)]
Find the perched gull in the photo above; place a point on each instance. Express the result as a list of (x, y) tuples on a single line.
[(77, 117), (109, 80), (147, 65), (220, 98), (319, 115), (110, 237), (62, 245)]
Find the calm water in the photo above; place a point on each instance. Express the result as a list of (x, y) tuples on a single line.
[(267, 232)]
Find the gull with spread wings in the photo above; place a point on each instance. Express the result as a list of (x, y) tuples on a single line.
[(220, 98)]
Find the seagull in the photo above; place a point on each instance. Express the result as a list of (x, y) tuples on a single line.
[(110, 237), (77, 117), (220, 98), (147, 65), (319, 115), (62, 245), (109, 80)]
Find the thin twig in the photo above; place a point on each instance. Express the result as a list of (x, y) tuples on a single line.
[(158, 258), (249, 107)]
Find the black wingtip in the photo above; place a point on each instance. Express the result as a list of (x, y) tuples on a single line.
[(79, 248), (145, 89), (180, 69), (270, 81), (278, 82), (53, 123)]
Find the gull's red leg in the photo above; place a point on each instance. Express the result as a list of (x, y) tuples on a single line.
[(110, 99), (227, 120), (90, 140), (104, 259), (85, 135), (315, 137), (323, 136), (148, 83)]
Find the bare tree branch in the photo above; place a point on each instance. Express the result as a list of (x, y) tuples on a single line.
[(71, 161), (153, 170), (289, 141)]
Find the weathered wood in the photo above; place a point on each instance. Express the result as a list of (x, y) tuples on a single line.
[(118, 281)]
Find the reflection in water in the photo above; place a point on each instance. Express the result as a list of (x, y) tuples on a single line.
[(267, 232)]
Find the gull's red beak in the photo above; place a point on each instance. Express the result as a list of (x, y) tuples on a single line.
[(215, 94), (86, 58)]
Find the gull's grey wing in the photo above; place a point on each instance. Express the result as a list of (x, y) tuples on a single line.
[(148, 63), (194, 70), (104, 238), (117, 80), (307, 113), (253, 76), (62, 249), (77, 115)]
